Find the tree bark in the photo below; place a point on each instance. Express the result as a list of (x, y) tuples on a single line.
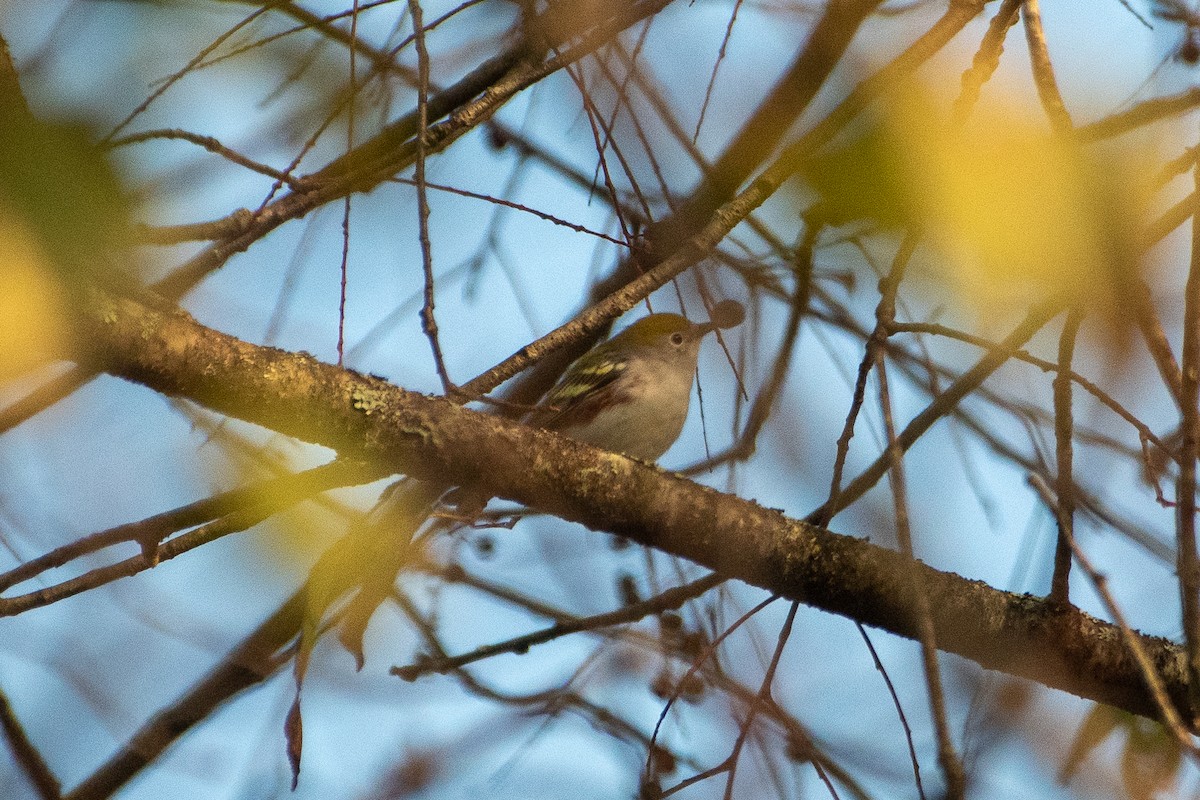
[(430, 438)]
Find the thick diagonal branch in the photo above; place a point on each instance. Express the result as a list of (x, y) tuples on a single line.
[(431, 438)]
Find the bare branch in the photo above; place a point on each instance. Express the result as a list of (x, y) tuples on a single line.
[(366, 418)]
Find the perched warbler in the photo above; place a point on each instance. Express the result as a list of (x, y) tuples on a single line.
[(631, 393), (628, 395)]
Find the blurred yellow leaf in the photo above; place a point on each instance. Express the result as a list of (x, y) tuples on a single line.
[(1150, 758), (1018, 212), (34, 326), (63, 217), (62, 186)]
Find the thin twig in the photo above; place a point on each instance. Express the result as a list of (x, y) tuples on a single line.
[(891, 687), (1169, 716), (1043, 69), (428, 320), (698, 662), (187, 68), (986, 60), (621, 99), (225, 513), (26, 754), (885, 314), (948, 759), (712, 78), (351, 107), (212, 145), (937, 329), (668, 600), (499, 201), (603, 144), (318, 25), (645, 139), (945, 403), (1064, 433), (1188, 565), (763, 697)]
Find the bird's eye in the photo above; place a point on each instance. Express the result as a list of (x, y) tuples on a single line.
[(677, 338)]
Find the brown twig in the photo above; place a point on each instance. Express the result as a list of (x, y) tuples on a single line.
[(885, 315), (1188, 564), (712, 77), (187, 68), (26, 754), (603, 141), (761, 699), (986, 60), (381, 61), (1168, 714), (666, 601), (351, 119), (948, 759), (945, 403), (891, 687), (1043, 69), (698, 662), (937, 329), (428, 320), (225, 513), (500, 201), (212, 145), (645, 139), (1064, 433)]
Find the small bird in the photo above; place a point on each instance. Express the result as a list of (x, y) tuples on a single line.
[(631, 393)]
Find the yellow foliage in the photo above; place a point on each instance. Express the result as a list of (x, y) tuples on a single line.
[(1017, 212), (1020, 212), (34, 328)]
